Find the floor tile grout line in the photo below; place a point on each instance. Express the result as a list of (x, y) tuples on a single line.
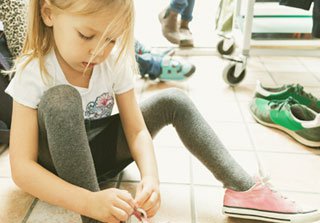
[(255, 151), (307, 68), (33, 204), (286, 152), (269, 72)]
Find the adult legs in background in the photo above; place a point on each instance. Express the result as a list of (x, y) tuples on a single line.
[(177, 32)]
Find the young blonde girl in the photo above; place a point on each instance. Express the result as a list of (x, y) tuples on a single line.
[(78, 59)]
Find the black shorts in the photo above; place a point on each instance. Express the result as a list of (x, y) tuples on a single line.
[(103, 135)]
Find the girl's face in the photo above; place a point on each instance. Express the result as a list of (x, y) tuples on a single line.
[(76, 38)]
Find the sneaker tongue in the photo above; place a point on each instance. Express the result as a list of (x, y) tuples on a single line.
[(302, 113)]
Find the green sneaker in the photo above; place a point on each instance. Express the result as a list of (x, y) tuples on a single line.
[(293, 90), (175, 69), (299, 121)]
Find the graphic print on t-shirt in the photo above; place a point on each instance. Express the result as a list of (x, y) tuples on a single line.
[(100, 108)]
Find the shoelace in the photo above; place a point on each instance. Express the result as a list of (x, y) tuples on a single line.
[(265, 180), (298, 89), (280, 103)]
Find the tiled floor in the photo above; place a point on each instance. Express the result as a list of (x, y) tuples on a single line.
[(189, 192)]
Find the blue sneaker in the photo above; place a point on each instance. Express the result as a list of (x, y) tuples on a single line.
[(175, 69)]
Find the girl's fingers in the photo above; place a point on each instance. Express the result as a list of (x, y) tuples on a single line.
[(119, 214), (153, 199), (126, 196), (123, 205), (151, 212), (143, 196)]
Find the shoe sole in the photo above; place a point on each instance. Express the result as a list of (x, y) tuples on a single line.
[(271, 216), (289, 132), (186, 43)]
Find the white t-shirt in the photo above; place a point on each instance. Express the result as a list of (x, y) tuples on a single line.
[(28, 86)]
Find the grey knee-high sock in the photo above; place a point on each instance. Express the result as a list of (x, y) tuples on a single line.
[(174, 107), (61, 121)]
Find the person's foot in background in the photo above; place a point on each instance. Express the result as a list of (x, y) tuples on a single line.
[(169, 25), (186, 39)]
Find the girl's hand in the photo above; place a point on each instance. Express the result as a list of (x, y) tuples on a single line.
[(110, 205), (148, 195)]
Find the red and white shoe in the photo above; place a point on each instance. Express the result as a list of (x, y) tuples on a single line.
[(263, 203)]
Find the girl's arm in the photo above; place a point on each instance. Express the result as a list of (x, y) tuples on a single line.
[(141, 148), (110, 205), (137, 134)]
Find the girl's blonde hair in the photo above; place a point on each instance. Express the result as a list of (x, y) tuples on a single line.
[(39, 38)]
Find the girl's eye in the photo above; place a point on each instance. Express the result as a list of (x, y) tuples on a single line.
[(85, 37)]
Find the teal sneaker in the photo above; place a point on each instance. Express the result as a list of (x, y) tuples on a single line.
[(299, 121), (293, 90), (175, 69)]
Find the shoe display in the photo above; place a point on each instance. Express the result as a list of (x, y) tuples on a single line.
[(295, 91), (169, 24), (175, 69), (262, 202), (289, 116)]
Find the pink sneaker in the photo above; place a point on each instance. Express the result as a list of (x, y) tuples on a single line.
[(262, 203)]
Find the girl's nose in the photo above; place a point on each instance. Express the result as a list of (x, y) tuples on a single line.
[(98, 53)]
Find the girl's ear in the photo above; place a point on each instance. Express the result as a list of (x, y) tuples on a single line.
[(46, 14)]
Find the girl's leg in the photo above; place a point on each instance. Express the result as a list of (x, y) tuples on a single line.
[(64, 147), (259, 202), (174, 107)]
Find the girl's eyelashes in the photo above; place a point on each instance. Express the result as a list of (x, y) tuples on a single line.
[(91, 37), (85, 37), (110, 40)]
